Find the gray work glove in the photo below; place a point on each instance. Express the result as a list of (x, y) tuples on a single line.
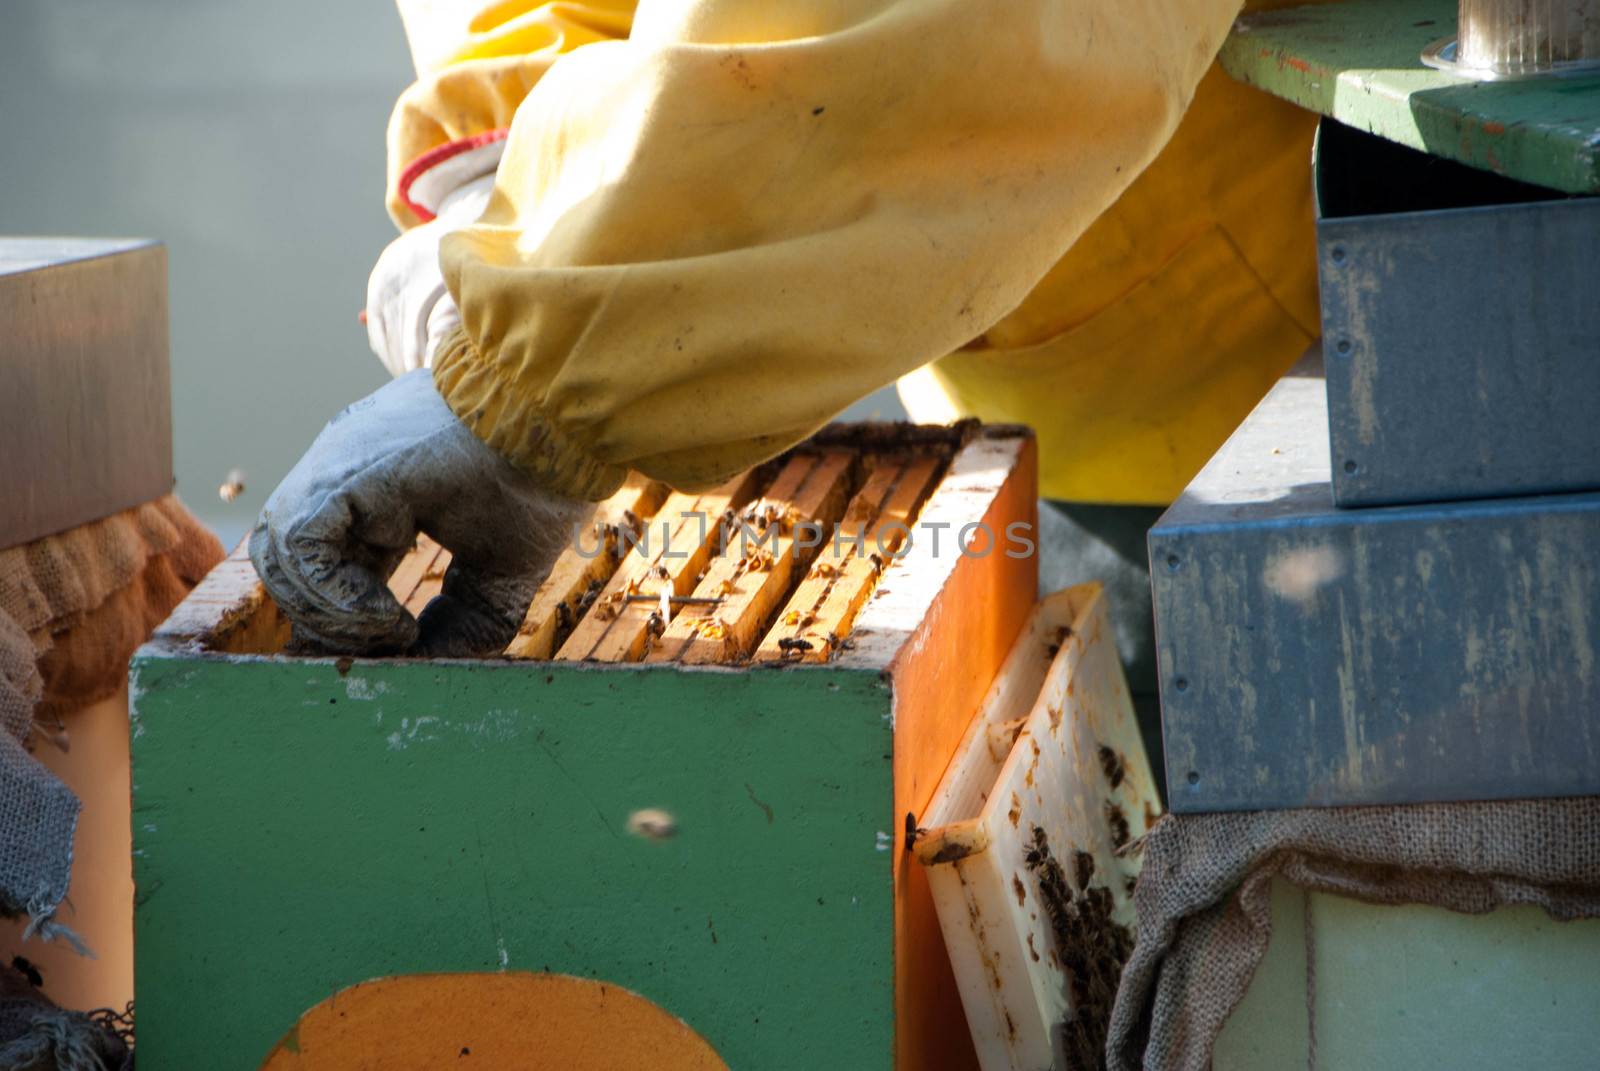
[(396, 463)]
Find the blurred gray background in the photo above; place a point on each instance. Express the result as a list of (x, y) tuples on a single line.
[(249, 138)]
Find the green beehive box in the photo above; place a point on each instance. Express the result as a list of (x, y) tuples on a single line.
[(303, 824)]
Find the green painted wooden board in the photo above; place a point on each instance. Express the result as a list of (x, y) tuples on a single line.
[(1358, 62), (392, 831), (302, 825)]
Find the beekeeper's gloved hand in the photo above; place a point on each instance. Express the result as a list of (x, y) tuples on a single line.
[(393, 464), (408, 308)]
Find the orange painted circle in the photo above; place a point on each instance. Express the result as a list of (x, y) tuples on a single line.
[(527, 1022)]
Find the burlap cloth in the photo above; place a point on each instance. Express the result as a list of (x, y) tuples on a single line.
[(73, 607), (36, 1035), (1204, 917)]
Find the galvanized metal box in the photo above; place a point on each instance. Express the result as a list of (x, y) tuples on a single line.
[(724, 842), (85, 385), (1461, 328), (1316, 656)]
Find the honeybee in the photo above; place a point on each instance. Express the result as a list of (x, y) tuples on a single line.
[(652, 824), (607, 606), (232, 485)]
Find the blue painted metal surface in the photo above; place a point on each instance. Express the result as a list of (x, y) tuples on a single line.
[(1463, 343), (1316, 656)]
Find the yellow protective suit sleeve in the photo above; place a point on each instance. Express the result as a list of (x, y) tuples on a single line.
[(1142, 349), (707, 240), (475, 62)]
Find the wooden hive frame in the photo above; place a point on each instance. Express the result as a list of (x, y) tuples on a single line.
[(307, 823), (808, 535)]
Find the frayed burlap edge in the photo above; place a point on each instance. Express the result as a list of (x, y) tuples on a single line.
[(1204, 915), (73, 607)]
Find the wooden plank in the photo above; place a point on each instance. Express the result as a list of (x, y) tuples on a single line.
[(822, 610), (1358, 62), (1049, 792), (784, 529), (916, 483), (871, 499), (802, 609), (406, 766), (674, 527), (638, 496), (947, 622), (677, 545), (409, 573), (434, 560), (560, 600), (777, 498), (884, 539), (228, 611)]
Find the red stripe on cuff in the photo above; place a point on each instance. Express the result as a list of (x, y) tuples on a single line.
[(433, 158)]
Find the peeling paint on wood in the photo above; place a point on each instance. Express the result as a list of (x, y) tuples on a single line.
[(1360, 62), (1461, 327), (1314, 656), (299, 831)]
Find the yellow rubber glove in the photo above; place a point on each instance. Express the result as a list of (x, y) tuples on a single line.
[(707, 240)]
